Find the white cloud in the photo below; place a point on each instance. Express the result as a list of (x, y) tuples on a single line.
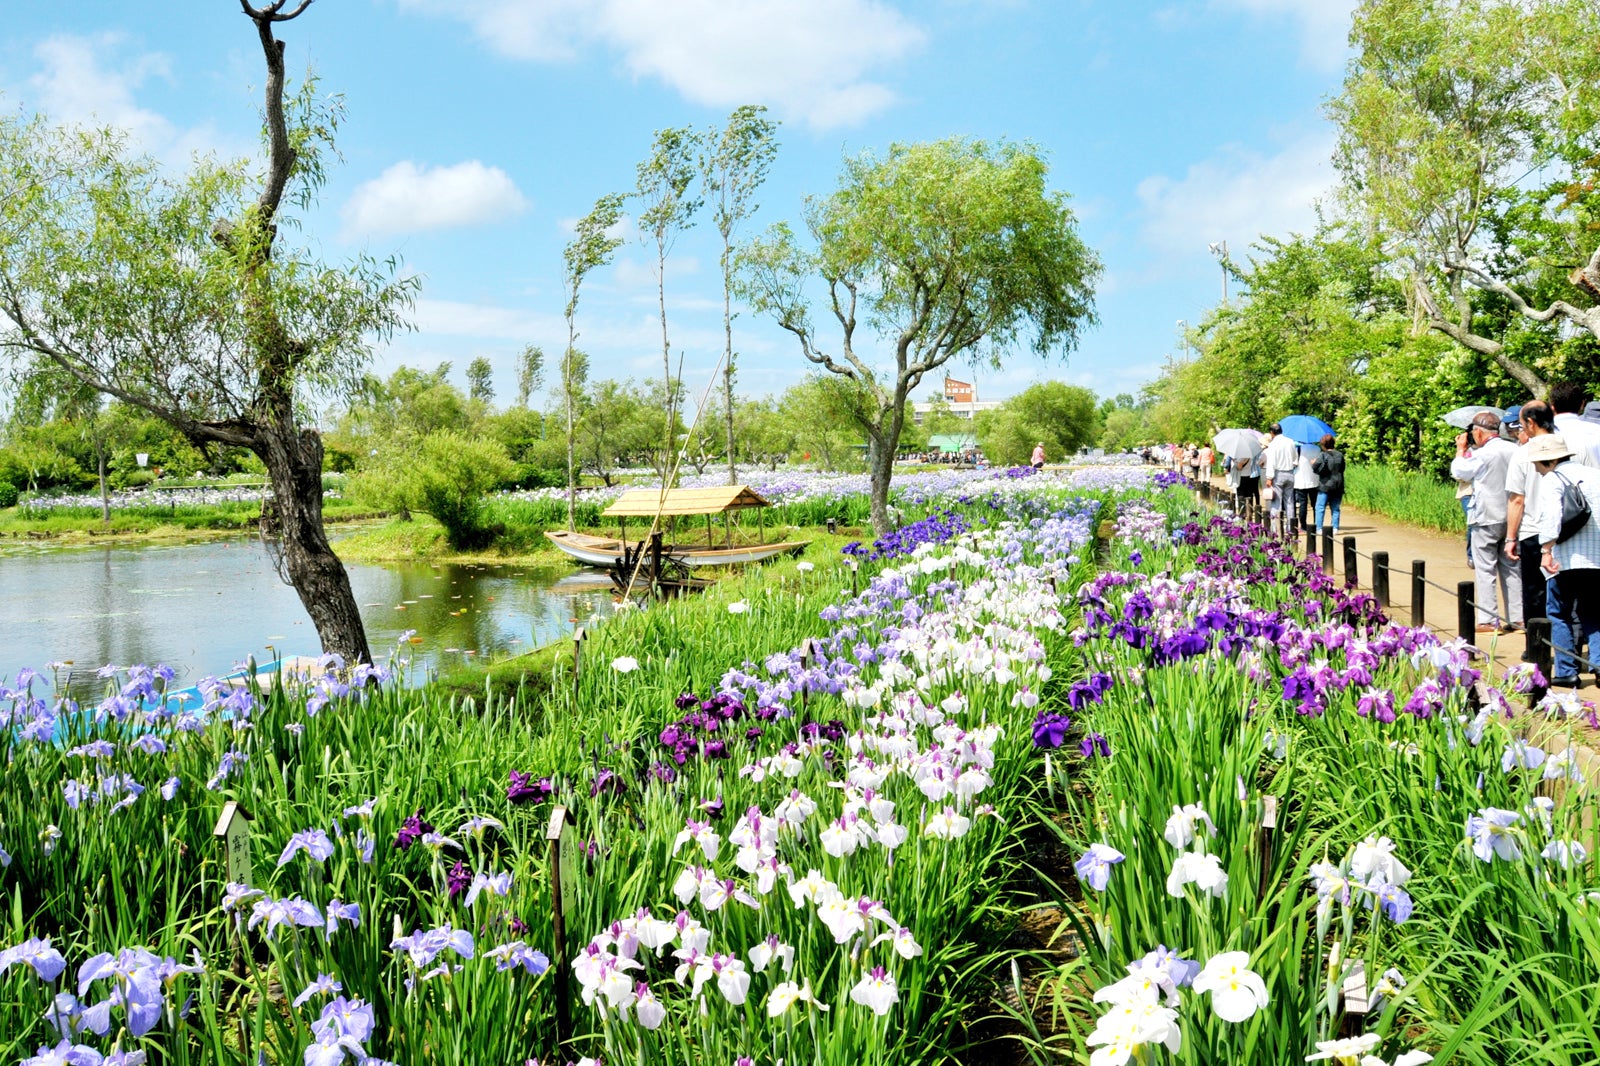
[(1237, 195), (407, 198), (812, 59), (1324, 25), (84, 81)]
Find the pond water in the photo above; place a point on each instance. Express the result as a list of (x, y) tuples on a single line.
[(202, 607)]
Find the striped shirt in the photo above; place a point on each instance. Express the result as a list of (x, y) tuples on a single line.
[(1581, 551)]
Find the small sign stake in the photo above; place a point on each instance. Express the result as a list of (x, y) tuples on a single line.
[(563, 894), (233, 829), (578, 637), (1269, 826)]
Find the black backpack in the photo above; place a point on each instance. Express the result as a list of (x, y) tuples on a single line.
[(1575, 513)]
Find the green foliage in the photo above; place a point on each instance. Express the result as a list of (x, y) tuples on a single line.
[(480, 380), (1062, 416), (530, 373), (1449, 108), (8, 494), (947, 248), (1414, 498), (444, 474)]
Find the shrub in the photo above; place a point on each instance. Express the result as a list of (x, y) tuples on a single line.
[(8, 494)]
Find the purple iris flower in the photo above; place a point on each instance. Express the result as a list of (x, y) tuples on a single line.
[(314, 842), (1394, 900), (412, 830), (1095, 743), (1050, 730), (1094, 868), (607, 781), (45, 960), (65, 1053), (339, 911), (458, 879), (523, 788)]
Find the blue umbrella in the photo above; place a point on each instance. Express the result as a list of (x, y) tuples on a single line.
[(1304, 429)]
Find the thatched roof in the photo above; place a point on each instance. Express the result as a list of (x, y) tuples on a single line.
[(648, 503)]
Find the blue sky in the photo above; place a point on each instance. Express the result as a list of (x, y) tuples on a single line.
[(477, 130)]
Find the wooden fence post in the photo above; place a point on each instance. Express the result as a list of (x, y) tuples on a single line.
[(1543, 657), (1380, 578), (1466, 615), (1419, 592), (1351, 577)]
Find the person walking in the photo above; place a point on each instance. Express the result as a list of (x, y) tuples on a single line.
[(1573, 560), (1329, 468), (1038, 456), (1277, 470), (1306, 483), (1248, 470), (1208, 462), (1484, 458), (1529, 422)]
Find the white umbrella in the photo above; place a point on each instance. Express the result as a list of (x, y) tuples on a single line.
[(1462, 417), (1238, 443)]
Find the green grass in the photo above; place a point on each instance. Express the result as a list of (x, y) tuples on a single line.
[(1406, 496)]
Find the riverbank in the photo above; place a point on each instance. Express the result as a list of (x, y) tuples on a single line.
[(157, 523)]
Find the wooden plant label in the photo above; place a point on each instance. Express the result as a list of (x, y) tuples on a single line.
[(233, 829)]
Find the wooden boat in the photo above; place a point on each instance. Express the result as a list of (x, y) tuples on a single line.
[(607, 551), (656, 504)]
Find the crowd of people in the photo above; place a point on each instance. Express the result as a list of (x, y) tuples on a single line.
[(1531, 534), (1529, 485), (1291, 483)]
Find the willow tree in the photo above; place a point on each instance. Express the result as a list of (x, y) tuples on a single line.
[(177, 295), (594, 242), (1468, 141), (934, 251), (733, 165), (665, 181)]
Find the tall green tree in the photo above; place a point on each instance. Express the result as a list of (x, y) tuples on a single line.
[(180, 297), (480, 380), (530, 373), (1062, 416), (945, 249), (733, 166), (665, 180), (1468, 141), (594, 242)]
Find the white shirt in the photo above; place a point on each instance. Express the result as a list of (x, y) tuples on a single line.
[(1304, 476), (1279, 457), (1486, 468), (1581, 551), (1523, 480), (1582, 437)]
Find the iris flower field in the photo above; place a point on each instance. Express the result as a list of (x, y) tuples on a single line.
[(812, 810)]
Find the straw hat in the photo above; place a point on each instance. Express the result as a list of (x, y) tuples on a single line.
[(1549, 446)]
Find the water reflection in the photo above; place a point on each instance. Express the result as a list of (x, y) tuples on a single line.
[(202, 607)]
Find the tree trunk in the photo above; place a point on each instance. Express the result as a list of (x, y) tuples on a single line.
[(666, 365), (294, 463), (572, 457), (105, 492), (727, 369), (883, 440), (880, 468)]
